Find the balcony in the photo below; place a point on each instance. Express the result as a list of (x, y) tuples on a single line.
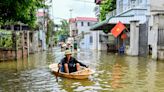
[(126, 7), (111, 14)]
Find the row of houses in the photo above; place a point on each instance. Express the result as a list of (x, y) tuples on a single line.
[(144, 19)]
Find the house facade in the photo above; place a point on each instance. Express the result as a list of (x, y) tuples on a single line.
[(42, 30), (80, 31), (142, 18)]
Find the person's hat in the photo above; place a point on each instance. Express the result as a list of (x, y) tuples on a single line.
[(68, 52)]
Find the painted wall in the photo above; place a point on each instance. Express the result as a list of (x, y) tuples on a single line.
[(126, 5), (86, 42), (156, 5)]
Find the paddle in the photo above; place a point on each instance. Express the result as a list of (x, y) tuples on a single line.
[(57, 75)]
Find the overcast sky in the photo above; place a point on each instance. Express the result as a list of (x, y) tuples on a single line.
[(80, 8)]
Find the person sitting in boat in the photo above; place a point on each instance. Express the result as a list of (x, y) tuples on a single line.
[(69, 64)]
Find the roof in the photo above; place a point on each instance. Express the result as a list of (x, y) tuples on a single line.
[(86, 19), (100, 25), (72, 20), (110, 22), (40, 14)]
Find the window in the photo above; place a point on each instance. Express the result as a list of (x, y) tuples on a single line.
[(121, 6), (91, 39), (76, 24), (140, 1), (82, 24), (133, 3), (88, 23)]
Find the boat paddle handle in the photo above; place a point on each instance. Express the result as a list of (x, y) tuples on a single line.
[(57, 75)]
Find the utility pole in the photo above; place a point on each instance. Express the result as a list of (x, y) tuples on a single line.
[(71, 13)]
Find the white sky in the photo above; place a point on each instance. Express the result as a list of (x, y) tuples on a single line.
[(80, 8)]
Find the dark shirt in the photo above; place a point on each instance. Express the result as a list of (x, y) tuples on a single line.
[(72, 64)]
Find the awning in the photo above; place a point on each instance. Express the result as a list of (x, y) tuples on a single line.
[(110, 22), (101, 25)]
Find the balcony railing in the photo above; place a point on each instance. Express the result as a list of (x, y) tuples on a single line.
[(111, 14), (127, 7)]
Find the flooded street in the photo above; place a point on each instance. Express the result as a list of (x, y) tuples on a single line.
[(114, 73)]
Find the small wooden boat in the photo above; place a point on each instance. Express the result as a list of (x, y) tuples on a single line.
[(84, 73)]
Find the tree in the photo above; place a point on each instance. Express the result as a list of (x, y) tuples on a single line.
[(65, 27), (13, 11), (106, 7), (63, 33)]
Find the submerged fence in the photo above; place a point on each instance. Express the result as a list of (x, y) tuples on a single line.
[(13, 44)]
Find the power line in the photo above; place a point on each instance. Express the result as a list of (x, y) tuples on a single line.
[(83, 1)]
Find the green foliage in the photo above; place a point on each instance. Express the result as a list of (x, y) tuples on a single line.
[(65, 27), (50, 27), (106, 7), (64, 31), (13, 11), (6, 39)]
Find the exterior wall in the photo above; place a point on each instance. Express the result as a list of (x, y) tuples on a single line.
[(34, 43), (161, 21), (156, 12), (85, 42), (10, 54), (42, 38), (134, 38), (19, 50), (7, 55), (127, 5), (72, 28), (136, 12), (95, 35), (156, 5), (102, 41)]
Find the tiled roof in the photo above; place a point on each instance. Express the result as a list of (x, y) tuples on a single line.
[(86, 19), (72, 20), (40, 14)]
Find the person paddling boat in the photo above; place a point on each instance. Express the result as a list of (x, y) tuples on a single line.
[(69, 64)]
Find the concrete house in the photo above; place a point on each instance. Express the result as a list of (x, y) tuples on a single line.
[(80, 31), (140, 17), (126, 11)]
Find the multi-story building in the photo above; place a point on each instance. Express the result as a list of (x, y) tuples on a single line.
[(139, 18), (80, 30)]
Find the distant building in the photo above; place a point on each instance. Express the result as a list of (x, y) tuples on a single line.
[(42, 29), (80, 31)]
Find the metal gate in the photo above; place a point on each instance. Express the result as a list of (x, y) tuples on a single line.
[(161, 37), (143, 40)]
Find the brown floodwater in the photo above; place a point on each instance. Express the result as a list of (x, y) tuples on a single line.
[(113, 73)]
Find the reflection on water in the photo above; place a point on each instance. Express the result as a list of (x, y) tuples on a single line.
[(114, 73)]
